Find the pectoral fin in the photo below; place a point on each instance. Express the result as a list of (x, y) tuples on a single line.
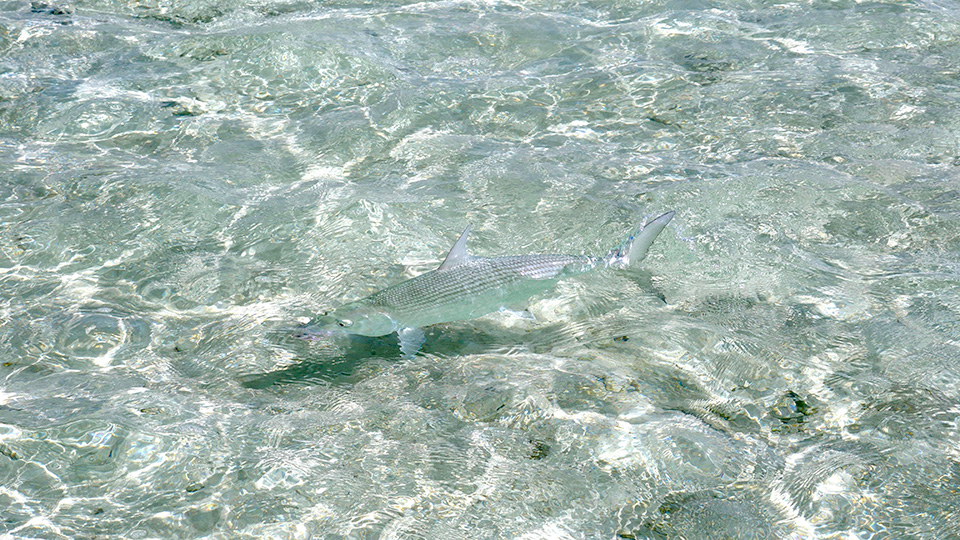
[(411, 339)]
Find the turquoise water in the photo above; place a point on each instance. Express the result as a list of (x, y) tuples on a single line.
[(185, 182)]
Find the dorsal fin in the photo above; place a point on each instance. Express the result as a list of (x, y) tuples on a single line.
[(458, 253)]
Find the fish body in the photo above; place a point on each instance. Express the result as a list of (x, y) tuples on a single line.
[(467, 287), (474, 288)]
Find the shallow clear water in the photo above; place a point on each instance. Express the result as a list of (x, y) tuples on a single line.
[(183, 182)]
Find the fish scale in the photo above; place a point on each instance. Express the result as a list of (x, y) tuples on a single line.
[(479, 275)]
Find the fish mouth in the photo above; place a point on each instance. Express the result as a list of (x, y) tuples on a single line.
[(312, 334)]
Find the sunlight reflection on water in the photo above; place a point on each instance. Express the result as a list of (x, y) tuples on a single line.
[(185, 182)]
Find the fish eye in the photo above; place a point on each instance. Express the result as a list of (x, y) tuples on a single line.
[(344, 322)]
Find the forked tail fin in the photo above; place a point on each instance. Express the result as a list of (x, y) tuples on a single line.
[(635, 248)]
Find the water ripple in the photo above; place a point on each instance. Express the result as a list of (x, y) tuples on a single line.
[(184, 182)]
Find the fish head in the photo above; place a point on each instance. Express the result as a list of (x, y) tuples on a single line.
[(353, 318)]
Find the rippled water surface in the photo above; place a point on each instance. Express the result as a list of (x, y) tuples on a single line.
[(183, 182)]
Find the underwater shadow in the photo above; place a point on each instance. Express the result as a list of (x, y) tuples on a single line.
[(341, 361), (339, 364)]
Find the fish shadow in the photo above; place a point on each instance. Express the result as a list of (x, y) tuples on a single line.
[(337, 363), (343, 360)]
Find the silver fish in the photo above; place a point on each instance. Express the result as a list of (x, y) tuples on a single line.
[(467, 287)]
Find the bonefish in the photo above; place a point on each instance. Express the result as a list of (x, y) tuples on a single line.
[(466, 287)]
